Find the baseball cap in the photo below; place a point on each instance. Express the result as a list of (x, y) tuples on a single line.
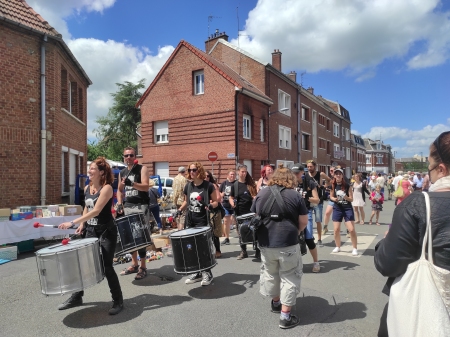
[(338, 170), (297, 168), (181, 169)]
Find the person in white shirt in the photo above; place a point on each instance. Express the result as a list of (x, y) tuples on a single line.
[(396, 181), (418, 182), (380, 181)]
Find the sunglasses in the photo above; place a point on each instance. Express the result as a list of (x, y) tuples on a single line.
[(208, 176), (192, 170), (128, 155)]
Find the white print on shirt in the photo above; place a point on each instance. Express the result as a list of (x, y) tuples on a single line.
[(227, 193), (90, 206), (129, 190), (195, 205)]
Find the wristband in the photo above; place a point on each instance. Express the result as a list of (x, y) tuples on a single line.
[(71, 223)]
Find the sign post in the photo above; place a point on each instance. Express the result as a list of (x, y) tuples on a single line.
[(212, 157)]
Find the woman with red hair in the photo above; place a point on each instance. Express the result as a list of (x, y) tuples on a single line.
[(266, 174)]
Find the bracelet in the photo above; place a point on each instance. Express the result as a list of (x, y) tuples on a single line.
[(71, 223)]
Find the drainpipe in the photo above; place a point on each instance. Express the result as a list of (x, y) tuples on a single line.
[(236, 117), (299, 134), (43, 126)]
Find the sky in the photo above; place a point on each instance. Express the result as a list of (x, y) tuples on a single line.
[(386, 62)]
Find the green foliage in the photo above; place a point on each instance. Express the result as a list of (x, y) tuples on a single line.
[(415, 166), (117, 129), (95, 150)]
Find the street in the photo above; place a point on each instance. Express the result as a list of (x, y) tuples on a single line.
[(344, 299)]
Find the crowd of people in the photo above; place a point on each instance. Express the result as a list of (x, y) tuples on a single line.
[(284, 201)]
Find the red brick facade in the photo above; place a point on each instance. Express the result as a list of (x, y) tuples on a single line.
[(20, 117)]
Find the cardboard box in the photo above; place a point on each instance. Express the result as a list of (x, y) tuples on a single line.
[(151, 247), (161, 241), (5, 212), (70, 210)]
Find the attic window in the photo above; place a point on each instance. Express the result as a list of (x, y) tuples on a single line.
[(199, 83)]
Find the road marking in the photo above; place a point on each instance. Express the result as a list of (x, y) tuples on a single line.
[(364, 241)]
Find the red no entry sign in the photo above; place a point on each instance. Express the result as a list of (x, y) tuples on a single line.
[(212, 156)]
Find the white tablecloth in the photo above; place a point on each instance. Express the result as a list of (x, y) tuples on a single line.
[(22, 230)]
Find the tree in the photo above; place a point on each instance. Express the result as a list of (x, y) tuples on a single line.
[(118, 129), (95, 150)]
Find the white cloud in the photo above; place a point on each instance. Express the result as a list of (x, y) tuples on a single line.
[(352, 35), (408, 142), (105, 62)]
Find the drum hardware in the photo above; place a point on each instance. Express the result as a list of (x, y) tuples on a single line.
[(132, 233)]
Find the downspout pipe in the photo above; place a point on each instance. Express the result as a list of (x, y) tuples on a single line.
[(43, 126), (236, 117)]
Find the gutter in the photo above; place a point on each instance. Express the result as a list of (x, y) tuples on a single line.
[(43, 126), (236, 126)]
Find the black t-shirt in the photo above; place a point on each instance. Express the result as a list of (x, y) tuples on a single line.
[(244, 198), (305, 187), (343, 203), (316, 180), (197, 215), (225, 188), (282, 233), (132, 195), (105, 217)]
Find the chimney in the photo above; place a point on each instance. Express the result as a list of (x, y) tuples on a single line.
[(276, 59), (212, 39), (293, 76), (311, 90)]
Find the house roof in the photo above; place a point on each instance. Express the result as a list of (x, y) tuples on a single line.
[(19, 13), (242, 51), (221, 68)]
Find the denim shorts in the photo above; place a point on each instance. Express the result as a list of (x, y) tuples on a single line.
[(340, 213), (281, 273), (228, 211), (318, 210), (309, 234)]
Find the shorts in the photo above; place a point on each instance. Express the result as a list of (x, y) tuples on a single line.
[(341, 213), (228, 211), (330, 203), (309, 234), (281, 273), (318, 210)]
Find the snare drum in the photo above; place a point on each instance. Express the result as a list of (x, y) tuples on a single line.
[(193, 250), (133, 233), (244, 230), (69, 268)]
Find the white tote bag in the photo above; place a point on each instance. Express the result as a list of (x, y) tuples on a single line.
[(419, 300)]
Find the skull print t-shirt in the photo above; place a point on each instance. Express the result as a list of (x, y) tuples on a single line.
[(105, 217), (198, 200), (225, 188)]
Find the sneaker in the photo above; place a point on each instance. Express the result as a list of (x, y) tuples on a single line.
[(226, 241), (276, 309), (194, 278), (258, 255), (355, 252), (231, 227), (207, 278), (287, 324), (242, 255), (325, 230), (348, 233), (336, 250), (316, 267), (319, 243), (74, 300), (116, 308)]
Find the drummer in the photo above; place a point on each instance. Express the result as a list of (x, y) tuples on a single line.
[(97, 222), (197, 204)]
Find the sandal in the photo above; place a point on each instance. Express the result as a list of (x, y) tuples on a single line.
[(378, 224), (141, 274), (361, 222), (130, 270), (370, 222)]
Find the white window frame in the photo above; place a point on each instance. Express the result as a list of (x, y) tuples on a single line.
[(347, 134), (303, 114), (261, 130), (343, 132), (247, 127), (286, 163), (368, 159), (379, 160), (199, 90), (70, 97), (309, 137), (336, 147), (335, 129), (348, 153), (161, 131), (284, 103), (284, 137)]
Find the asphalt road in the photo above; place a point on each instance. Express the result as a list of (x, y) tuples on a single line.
[(344, 299)]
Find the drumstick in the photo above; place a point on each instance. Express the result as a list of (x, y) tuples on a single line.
[(37, 225), (65, 241), (134, 164)]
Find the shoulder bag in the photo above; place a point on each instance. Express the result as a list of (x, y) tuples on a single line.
[(419, 300)]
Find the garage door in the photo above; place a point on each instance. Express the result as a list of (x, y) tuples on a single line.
[(162, 168)]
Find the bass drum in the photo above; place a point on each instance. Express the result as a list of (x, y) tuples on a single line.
[(133, 233), (68, 268), (244, 229), (193, 250)]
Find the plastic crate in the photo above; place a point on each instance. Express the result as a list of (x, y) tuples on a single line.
[(8, 253), (25, 246)]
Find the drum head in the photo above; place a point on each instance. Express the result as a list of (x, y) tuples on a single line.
[(189, 232), (71, 245), (245, 216)]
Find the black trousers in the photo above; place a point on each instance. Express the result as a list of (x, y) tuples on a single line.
[(108, 241)]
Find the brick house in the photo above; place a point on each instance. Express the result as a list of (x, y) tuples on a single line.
[(196, 105), (36, 63), (358, 153), (307, 124), (379, 157)]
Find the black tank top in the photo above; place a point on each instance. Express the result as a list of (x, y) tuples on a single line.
[(343, 203), (105, 217), (132, 195)]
